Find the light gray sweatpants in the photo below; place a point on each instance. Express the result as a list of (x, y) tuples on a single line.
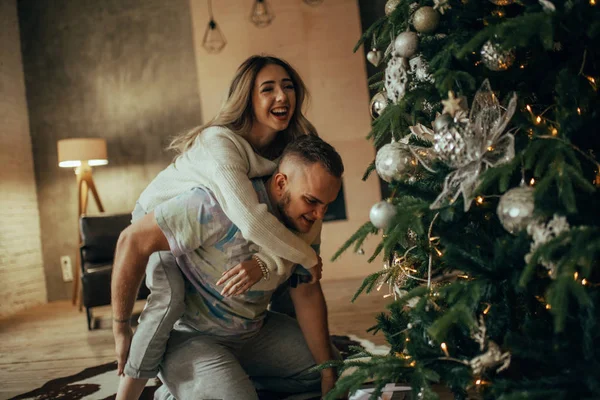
[(164, 306), (277, 358)]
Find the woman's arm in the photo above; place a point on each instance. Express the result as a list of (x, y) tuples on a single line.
[(226, 161)]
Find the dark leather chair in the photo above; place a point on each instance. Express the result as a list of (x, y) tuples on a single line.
[(99, 235)]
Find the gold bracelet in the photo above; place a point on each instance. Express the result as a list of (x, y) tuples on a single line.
[(262, 266)]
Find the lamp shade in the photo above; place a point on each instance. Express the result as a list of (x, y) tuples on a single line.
[(71, 152)]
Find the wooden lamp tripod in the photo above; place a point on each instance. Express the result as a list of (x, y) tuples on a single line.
[(82, 154)]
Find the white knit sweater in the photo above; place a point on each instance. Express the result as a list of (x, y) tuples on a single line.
[(223, 162)]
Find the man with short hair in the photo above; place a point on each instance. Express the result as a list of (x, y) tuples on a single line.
[(225, 346)]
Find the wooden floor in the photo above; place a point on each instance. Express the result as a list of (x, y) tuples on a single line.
[(53, 341)]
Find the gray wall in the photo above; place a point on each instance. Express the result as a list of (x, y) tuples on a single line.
[(122, 70)]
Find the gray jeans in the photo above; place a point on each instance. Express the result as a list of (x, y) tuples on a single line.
[(164, 306), (277, 358)]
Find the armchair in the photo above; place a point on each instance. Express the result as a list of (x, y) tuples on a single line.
[(99, 235)]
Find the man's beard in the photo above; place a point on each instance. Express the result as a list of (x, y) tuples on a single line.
[(282, 206)]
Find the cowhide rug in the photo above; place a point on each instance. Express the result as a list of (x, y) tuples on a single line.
[(101, 382)]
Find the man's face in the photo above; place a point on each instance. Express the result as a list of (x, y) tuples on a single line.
[(305, 194)]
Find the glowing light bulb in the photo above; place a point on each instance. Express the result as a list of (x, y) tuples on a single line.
[(532, 182), (445, 349), (479, 200)]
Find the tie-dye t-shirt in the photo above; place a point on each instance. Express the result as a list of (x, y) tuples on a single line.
[(206, 244)]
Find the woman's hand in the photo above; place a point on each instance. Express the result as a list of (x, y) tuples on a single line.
[(240, 278), (316, 272)]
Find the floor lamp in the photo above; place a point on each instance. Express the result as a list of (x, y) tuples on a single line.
[(82, 154)]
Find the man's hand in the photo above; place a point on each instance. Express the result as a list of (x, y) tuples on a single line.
[(316, 272), (240, 278), (122, 333), (328, 379)]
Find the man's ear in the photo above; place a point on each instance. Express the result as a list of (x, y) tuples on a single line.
[(281, 181)]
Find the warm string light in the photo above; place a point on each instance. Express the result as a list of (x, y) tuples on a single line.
[(592, 2), (479, 200), (487, 309), (445, 349), (578, 110), (537, 119), (532, 182), (592, 82), (576, 275), (554, 131)]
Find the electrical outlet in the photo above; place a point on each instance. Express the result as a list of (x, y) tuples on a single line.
[(67, 271)]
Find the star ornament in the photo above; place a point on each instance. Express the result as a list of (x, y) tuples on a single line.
[(454, 104)]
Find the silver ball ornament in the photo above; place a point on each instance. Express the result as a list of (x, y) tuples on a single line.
[(515, 209), (441, 122), (377, 105), (394, 161), (382, 214), (426, 19), (390, 6), (406, 44), (496, 58)]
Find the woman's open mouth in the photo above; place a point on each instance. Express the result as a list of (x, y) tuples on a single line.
[(280, 113)]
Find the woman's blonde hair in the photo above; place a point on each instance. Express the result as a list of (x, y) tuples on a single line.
[(236, 113)]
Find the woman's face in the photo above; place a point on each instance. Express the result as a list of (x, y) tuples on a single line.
[(273, 99)]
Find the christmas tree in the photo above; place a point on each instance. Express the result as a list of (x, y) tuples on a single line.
[(487, 124)]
